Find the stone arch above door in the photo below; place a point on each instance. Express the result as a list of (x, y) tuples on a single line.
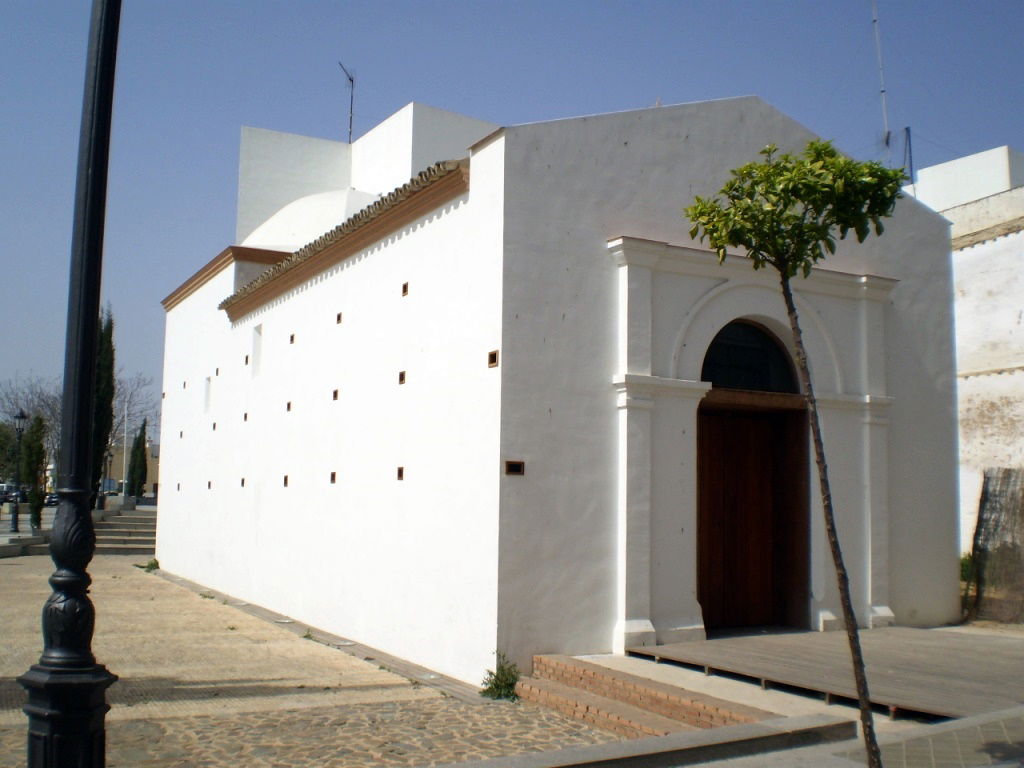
[(761, 304)]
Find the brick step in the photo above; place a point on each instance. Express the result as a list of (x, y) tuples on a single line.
[(695, 709), (623, 719)]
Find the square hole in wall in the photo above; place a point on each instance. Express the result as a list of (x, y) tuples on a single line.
[(515, 467), (286, 481), (334, 395), (401, 473), (492, 359), (401, 377), (405, 289), (334, 477), (291, 339), (337, 318)]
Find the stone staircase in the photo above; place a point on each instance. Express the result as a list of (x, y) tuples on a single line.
[(132, 532), (627, 704)]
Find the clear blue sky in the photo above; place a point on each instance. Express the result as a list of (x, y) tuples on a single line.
[(191, 73)]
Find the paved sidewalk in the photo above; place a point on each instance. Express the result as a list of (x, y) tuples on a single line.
[(205, 683), (992, 739)]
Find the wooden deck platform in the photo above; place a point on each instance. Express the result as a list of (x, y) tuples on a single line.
[(934, 672)]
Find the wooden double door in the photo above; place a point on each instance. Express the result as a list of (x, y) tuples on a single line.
[(752, 522)]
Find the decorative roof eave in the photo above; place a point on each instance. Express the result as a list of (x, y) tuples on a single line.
[(989, 233), (218, 263), (425, 192)]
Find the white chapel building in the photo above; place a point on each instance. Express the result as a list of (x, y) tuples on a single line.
[(460, 388)]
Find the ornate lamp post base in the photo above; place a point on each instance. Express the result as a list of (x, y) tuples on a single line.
[(66, 709)]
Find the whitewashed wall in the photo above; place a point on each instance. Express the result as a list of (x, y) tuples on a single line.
[(407, 566), (572, 185), (990, 358), (275, 168)]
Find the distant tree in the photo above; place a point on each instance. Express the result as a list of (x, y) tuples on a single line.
[(134, 398), (785, 213), (103, 409), (8, 447), (35, 395), (33, 467), (137, 467)]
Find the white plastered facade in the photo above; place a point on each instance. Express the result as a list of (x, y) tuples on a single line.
[(982, 196), (569, 257)]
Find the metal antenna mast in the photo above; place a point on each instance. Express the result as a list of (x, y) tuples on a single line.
[(351, 97), (886, 136)]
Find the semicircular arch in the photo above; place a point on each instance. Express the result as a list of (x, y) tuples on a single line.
[(761, 304)]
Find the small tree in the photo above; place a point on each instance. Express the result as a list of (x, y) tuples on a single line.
[(33, 467), (786, 212), (103, 409), (8, 448), (137, 464)]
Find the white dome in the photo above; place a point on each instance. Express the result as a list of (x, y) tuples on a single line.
[(304, 220)]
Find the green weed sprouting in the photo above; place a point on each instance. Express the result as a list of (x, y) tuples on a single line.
[(501, 683)]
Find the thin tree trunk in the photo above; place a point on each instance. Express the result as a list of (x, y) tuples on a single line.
[(843, 579)]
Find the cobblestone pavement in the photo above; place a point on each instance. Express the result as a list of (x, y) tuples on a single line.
[(204, 683)]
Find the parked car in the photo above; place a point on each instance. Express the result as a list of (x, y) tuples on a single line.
[(50, 500)]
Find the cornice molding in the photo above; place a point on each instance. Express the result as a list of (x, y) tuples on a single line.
[(641, 384), (701, 262), (430, 190), (216, 265)]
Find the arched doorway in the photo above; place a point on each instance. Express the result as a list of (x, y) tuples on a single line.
[(752, 465)]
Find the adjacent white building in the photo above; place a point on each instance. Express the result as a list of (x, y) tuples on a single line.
[(982, 196), (451, 392)]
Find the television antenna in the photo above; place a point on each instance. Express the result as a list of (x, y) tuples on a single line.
[(351, 97), (886, 135)]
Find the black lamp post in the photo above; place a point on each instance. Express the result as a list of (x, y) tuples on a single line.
[(19, 429), (67, 689)]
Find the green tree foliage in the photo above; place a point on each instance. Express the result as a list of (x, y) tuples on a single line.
[(33, 467), (103, 408), (8, 447), (137, 464), (786, 213)]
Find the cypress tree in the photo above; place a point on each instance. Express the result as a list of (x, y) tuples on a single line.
[(137, 465), (33, 466), (103, 410)]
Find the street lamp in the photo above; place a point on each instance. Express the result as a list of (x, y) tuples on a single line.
[(67, 688), (19, 429)]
